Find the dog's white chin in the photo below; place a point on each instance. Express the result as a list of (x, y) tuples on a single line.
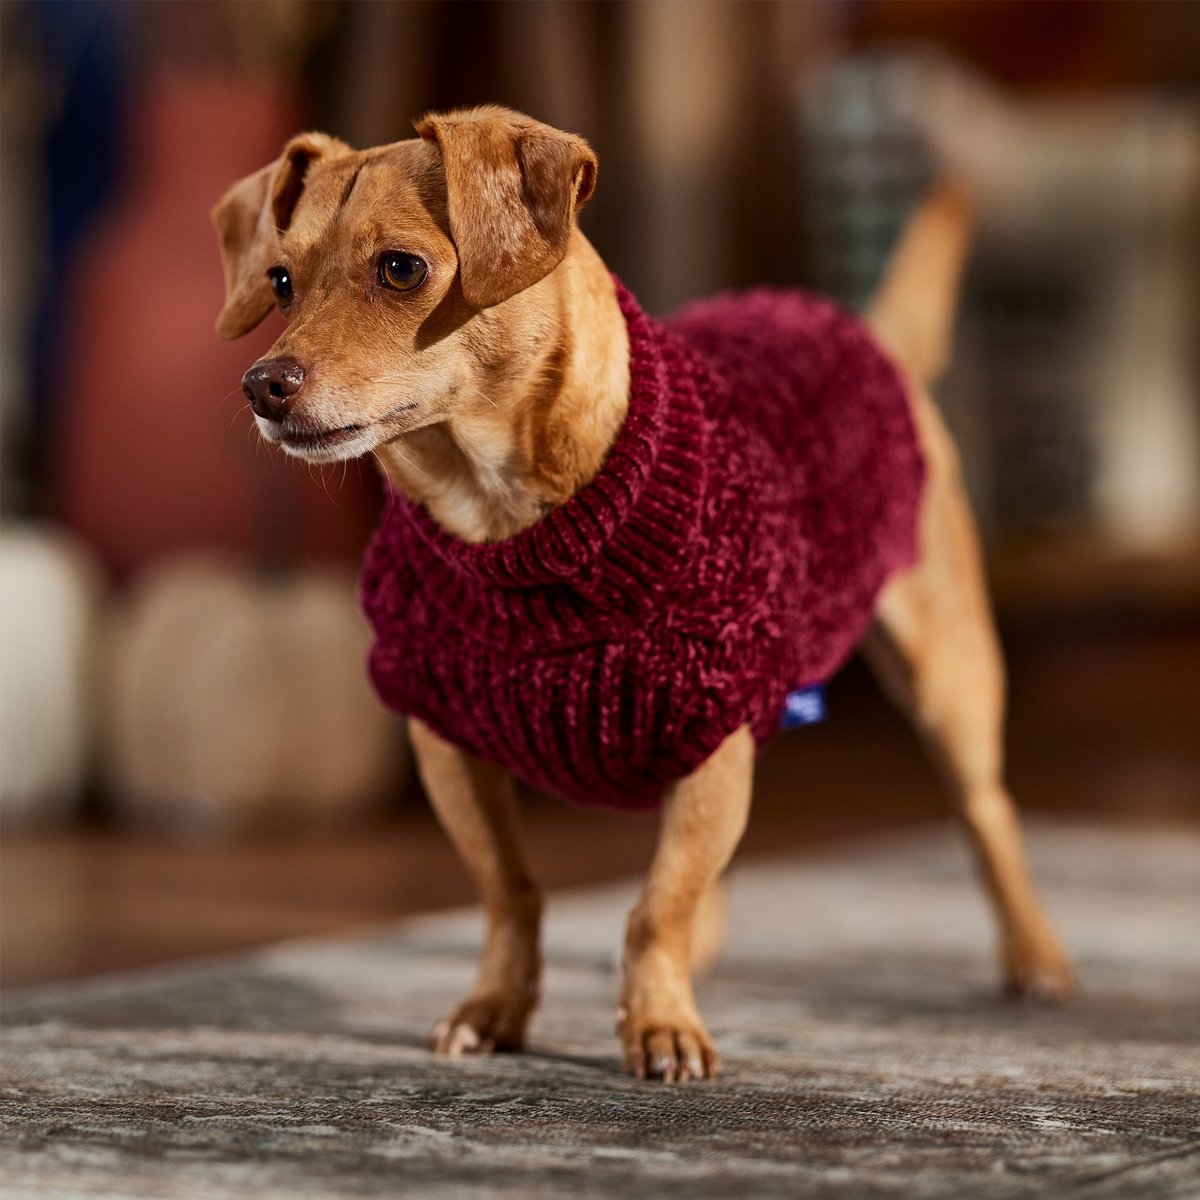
[(353, 445), (317, 447)]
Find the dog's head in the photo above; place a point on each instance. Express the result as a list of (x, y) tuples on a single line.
[(399, 271)]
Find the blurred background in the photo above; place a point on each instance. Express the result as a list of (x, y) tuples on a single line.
[(190, 757)]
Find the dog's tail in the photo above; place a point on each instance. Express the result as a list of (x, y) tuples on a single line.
[(912, 312)]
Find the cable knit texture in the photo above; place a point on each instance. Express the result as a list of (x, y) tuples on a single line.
[(764, 486)]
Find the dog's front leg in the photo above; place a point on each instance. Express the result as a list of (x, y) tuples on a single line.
[(476, 805), (704, 815)]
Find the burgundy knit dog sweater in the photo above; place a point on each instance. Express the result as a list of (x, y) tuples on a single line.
[(763, 487)]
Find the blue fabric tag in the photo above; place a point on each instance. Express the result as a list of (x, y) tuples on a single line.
[(804, 706)]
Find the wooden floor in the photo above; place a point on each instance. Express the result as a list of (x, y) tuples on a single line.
[(1106, 718)]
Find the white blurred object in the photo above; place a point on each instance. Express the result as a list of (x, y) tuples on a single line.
[(50, 591), (237, 702), (1074, 399), (1105, 190)]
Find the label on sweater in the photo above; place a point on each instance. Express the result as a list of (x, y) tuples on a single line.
[(804, 706)]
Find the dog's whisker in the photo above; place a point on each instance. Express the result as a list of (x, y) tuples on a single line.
[(480, 392), (244, 408), (400, 453), (229, 395), (324, 482), (404, 457)]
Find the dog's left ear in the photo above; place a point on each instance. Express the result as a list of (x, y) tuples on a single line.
[(249, 219), (514, 186)]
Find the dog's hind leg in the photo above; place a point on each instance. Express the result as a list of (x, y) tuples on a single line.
[(476, 805), (934, 647)]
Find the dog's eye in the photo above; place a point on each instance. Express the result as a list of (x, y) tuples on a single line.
[(281, 285), (402, 272)]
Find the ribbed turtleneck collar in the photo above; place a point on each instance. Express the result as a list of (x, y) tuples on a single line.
[(619, 539)]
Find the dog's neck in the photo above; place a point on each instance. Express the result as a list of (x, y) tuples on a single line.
[(532, 421)]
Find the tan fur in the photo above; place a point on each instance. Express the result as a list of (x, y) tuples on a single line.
[(934, 650), (476, 805), (514, 405), (704, 815), (514, 187), (492, 394), (912, 311), (933, 644)]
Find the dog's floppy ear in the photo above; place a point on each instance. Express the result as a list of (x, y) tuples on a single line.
[(249, 219), (514, 186)]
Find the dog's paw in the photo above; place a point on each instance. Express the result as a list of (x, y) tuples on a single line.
[(675, 1051), (482, 1025), (1040, 974)]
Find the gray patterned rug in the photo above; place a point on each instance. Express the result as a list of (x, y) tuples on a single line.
[(865, 1053)]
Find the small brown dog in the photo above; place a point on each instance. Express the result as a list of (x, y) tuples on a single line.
[(418, 279)]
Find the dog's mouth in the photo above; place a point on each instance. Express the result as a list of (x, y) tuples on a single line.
[(342, 441), (308, 441)]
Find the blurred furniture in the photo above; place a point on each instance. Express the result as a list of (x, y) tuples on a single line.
[(155, 449), (237, 700), (50, 590), (1074, 393)]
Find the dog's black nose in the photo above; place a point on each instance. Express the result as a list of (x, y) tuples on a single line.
[(272, 386)]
